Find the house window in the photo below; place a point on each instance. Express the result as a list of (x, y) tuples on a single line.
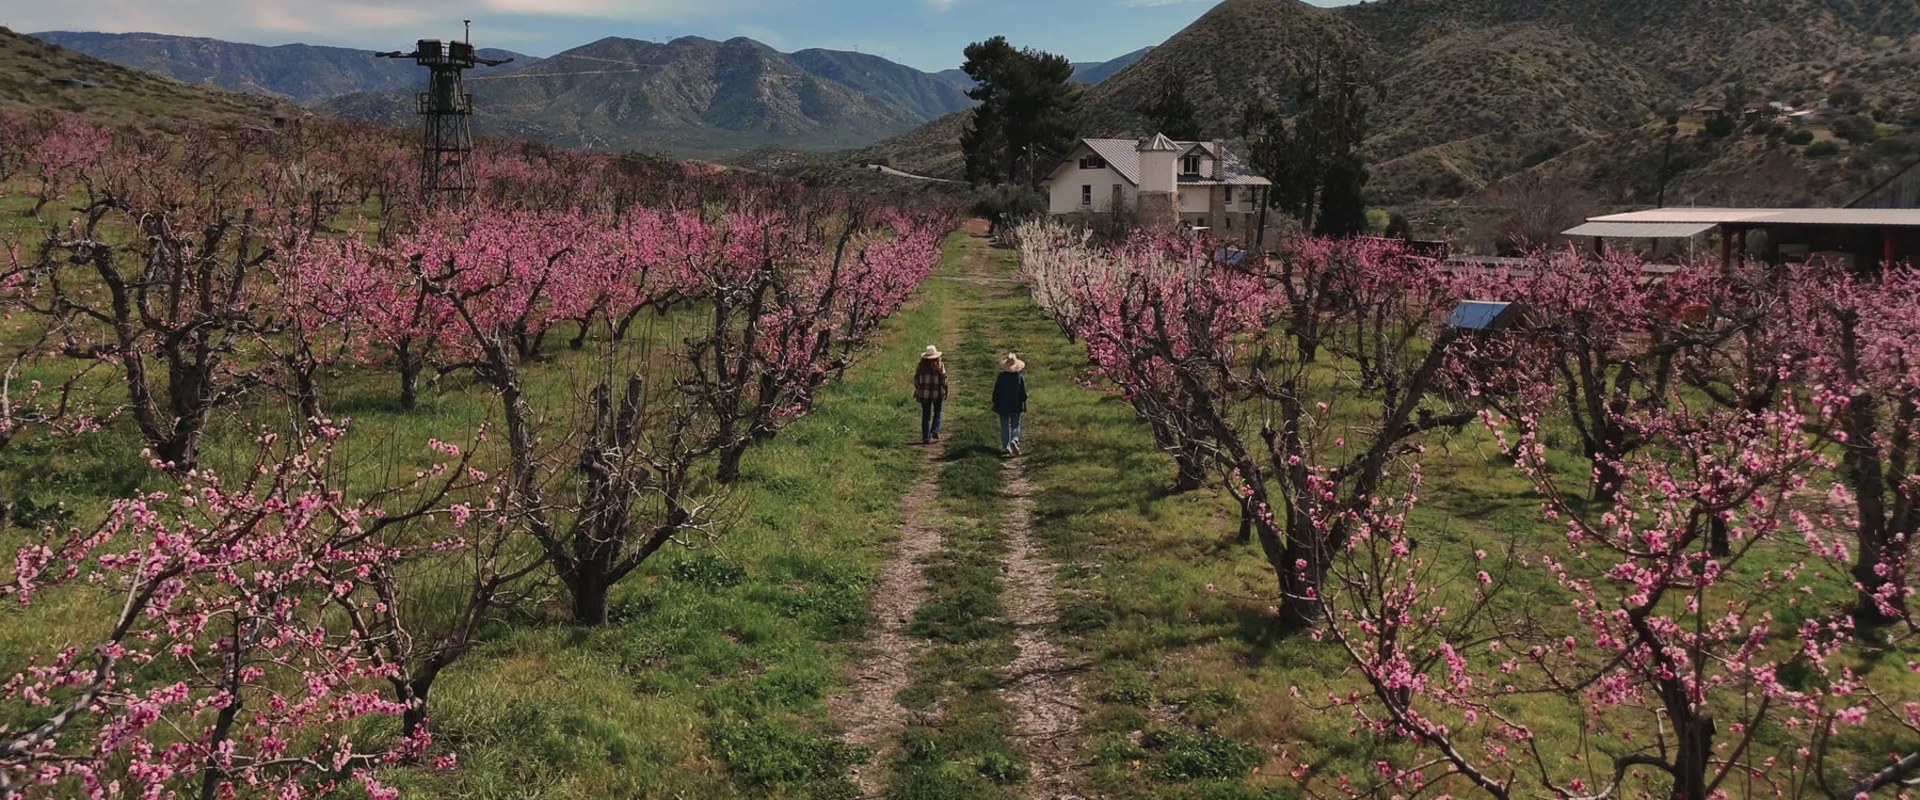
[(1190, 165), (1093, 162), (1229, 195), (1086, 195), (1229, 222)]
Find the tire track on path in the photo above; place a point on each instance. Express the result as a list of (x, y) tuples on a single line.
[(880, 666), (869, 710), (1040, 689)]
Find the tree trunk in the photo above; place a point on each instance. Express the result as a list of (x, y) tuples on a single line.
[(1192, 471), (1302, 606), (306, 392), (1606, 476), (590, 592), (413, 721), (409, 379), (1869, 563), (730, 457), (1717, 543), (1693, 757), (182, 450), (1246, 522)]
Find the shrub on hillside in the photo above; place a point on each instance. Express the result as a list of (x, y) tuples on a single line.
[(1823, 149), (1855, 128)]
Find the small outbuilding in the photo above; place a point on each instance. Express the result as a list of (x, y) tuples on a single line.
[(1862, 238)]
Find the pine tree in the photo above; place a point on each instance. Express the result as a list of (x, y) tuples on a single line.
[(1027, 112), (1314, 157)]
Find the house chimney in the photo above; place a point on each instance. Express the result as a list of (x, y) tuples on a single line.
[(1219, 159)]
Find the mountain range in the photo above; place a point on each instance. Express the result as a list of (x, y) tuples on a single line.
[(1476, 96), (689, 97), (302, 73)]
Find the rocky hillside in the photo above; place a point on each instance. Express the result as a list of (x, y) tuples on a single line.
[(1084, 72), (36, 76), (298, 72), (1478, 90)]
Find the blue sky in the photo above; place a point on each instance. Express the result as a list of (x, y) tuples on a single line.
[(928, 34)]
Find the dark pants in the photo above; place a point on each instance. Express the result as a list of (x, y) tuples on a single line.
[(929, 420)]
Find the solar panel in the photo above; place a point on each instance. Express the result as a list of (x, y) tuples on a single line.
[(1478, 315)]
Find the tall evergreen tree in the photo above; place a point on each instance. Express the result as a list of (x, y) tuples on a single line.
[(1314, 157), (1027, 114), (1172, 112)]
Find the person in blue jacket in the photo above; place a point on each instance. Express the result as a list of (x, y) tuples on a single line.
[(1010, 401)]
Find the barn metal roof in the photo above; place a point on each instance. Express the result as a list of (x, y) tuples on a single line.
[(1640, 230), (1870, 217)]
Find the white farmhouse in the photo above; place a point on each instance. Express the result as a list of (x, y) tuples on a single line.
[(1158, 181)]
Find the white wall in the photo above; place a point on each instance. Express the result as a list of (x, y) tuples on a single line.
[(1063, 191), (1196, 199), (1157, 170)]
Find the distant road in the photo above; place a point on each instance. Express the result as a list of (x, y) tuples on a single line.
[(885, 170)]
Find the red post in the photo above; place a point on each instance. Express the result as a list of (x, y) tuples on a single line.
[(1726, 249)]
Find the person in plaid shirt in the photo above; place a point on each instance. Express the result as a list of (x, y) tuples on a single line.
[(930, 388)]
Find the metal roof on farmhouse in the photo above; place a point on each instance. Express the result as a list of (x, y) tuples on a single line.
[(1123, 155), (1869, 217), (1159, 144)]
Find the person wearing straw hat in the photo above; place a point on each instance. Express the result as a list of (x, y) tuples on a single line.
[(930, 388), (1010, 401)]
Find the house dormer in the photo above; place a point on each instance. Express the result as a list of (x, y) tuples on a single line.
[(1199, 161)]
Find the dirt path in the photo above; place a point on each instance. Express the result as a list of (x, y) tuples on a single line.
[(1040, 686), (1037, 687), (882, 667)]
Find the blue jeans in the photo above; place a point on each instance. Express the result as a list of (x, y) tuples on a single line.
[(1009, 430), (929, 419)]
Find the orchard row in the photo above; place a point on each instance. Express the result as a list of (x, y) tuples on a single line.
[(1747, 442), (263, 620)]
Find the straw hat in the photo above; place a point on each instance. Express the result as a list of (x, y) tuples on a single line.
[(1012, 363), (932, 352)]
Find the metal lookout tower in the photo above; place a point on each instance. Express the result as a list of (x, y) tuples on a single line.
[(446, 114)]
